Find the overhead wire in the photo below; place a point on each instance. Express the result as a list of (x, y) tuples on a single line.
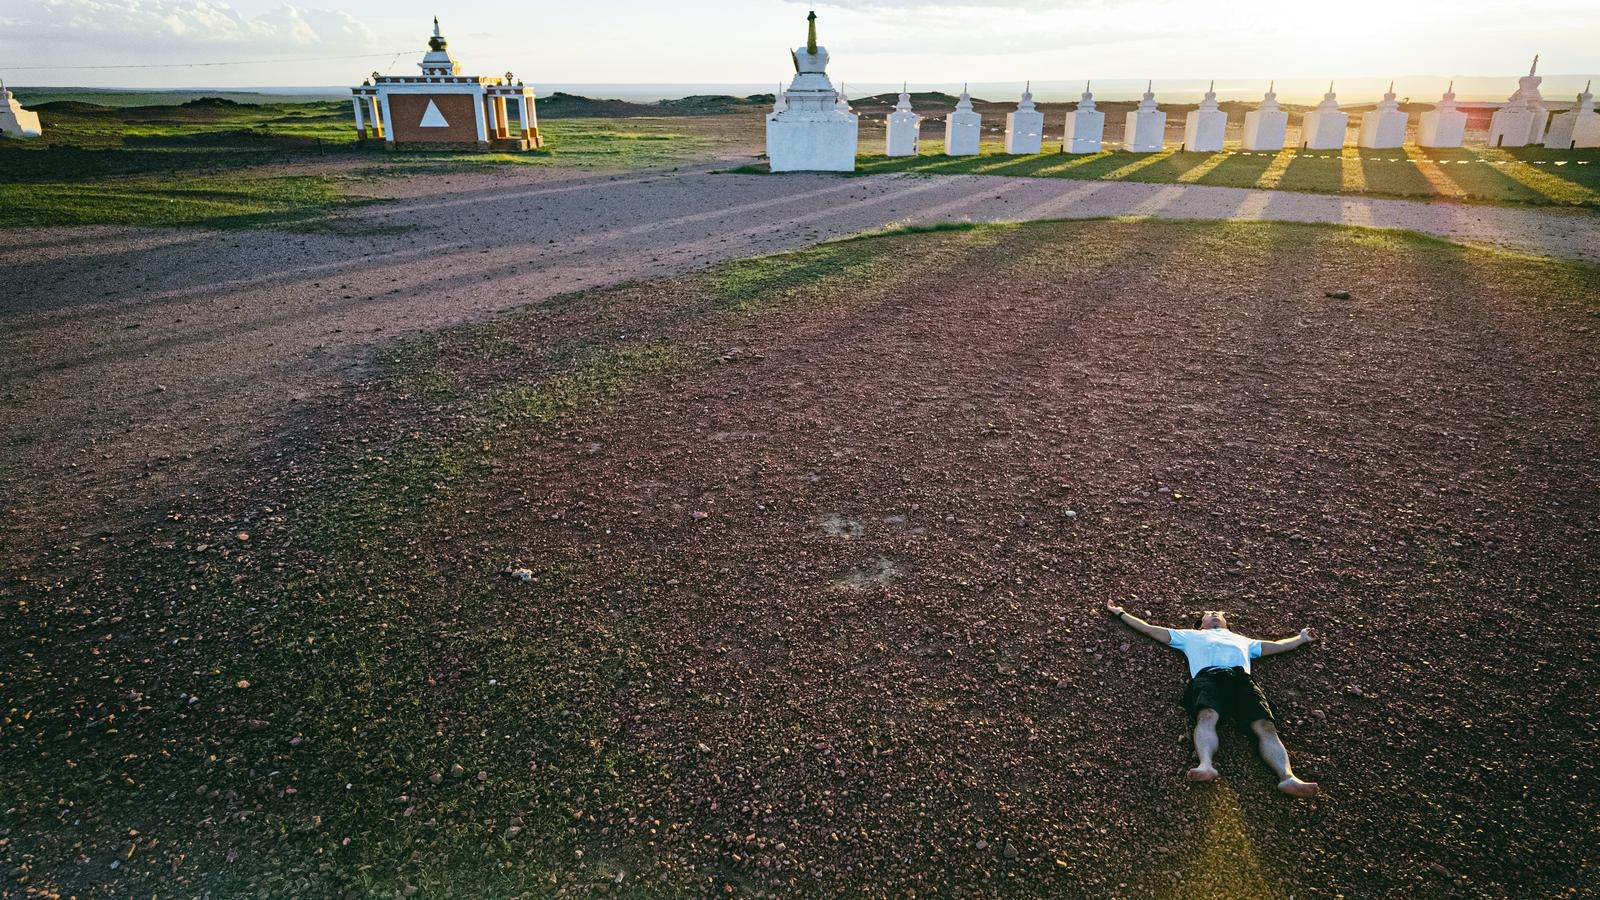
[(197, 65)]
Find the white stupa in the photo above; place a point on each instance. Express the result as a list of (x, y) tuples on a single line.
[(903, 131), (1206, 125), (1577, 128), (1521, 121), (1146, 127), (1323, 128), (1384, 126), (1025, 127), (963, 128), (16, 122), (1266, 126), (1086, 127), (1444, 125), (813, 131)]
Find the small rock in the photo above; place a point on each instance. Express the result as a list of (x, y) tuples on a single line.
[(702, 748), (436, 777), (243, 535), (1009, 852), (1319, 715), (1336, 295), (482, 775), (698, 514), (242, 685), (982, 844), (455, 769)]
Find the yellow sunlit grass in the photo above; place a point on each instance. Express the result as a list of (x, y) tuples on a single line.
[(1130, 168), (1274, 172), (1443, 184), (1072, 161), (1204, 169), (1552, 186), (1353, 177)]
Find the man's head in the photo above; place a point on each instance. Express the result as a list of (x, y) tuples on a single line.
[(1212, 618)]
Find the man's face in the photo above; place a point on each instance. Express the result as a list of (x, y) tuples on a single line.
[(1214, 618)]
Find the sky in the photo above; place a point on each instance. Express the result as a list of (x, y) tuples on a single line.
[(744, 42)]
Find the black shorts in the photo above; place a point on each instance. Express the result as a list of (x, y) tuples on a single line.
[(1232, 693)]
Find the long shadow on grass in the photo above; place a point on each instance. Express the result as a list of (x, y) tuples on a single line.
[(1238, 170)]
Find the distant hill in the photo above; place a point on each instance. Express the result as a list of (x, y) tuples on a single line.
[(561, 105)]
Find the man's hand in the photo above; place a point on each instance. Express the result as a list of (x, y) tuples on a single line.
[(1138, 624), (1306, 636)]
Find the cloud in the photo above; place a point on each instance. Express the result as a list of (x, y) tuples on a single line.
[(154, 26)]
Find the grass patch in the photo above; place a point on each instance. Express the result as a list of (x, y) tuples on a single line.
[(295, 202), (197, 164)]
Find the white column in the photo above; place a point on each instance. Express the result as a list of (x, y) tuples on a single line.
[(386, 123), (361, 120), (483, 119)]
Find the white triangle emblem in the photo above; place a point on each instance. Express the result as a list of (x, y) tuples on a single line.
[(432, 118)]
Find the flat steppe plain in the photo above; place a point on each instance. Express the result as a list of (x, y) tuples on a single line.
[(812, 546)]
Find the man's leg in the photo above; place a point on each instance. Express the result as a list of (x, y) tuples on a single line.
[(1205, 744), (1276, 757)]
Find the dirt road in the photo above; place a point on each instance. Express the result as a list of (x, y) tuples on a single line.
[(130, 357)]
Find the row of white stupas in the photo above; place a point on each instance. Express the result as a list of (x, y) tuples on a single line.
[(813, 128)]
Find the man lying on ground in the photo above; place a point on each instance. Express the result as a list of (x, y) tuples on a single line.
[(1220, 686)]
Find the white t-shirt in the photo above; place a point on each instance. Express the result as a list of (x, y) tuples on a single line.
[(1214, 647)]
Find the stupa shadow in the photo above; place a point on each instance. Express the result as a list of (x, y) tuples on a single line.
[(1318, 171), (1239, 170), (1403, 178)]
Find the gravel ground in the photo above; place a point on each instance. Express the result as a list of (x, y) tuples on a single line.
[(130, 355), (831, 594)]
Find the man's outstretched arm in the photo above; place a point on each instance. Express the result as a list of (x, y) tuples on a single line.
[(1141, 626), (1306, 636)]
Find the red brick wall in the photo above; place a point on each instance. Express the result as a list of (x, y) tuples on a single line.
[(406, 110)]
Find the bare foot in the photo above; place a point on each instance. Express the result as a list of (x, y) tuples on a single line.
[(1294, 787), (1203, 773)]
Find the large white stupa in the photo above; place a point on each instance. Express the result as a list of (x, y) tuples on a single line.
[(1577, 128), (1384, 126), (16, 122), (1444, 125), (1025, 127), (1206, 125), (1086, 126), (963, 128), (1323, 128), (812, 131), (1145, 129), (903, 128), (1521, 121), (1266, 126)]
